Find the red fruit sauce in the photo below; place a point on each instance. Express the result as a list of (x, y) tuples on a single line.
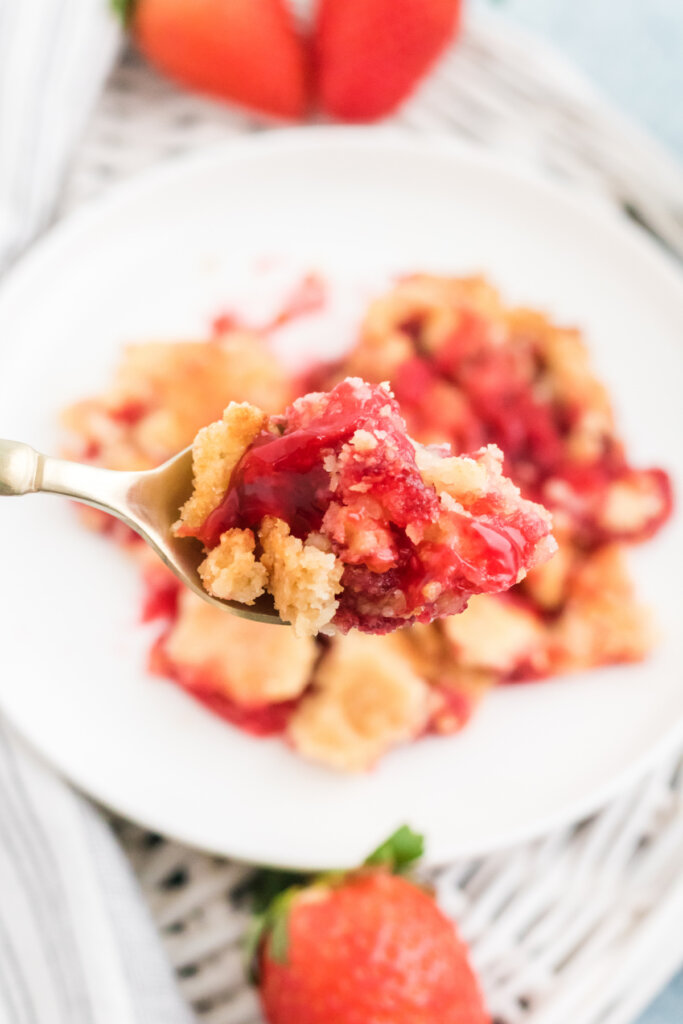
[(475, 391), (308, 296), (278, 476), (282, 475)]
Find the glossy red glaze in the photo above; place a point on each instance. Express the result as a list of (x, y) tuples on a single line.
[(283, 475), (277, 476)]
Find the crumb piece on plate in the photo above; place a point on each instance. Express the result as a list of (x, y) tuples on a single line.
[(601, 622), (633, 504), (164, 392), (546, 586), (365, 699), (247, 662), (495, 633)]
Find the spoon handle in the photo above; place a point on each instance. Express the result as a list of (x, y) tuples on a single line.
[(20, 468), (23, 470), (146, 501)]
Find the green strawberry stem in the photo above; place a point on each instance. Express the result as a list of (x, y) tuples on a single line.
[(124, 9), (399, 852)]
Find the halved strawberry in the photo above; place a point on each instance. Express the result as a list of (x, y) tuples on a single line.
[(370, 54), (246, 51)]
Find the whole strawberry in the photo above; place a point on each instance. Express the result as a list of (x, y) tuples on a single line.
[(245, 51), (367, 947), (370, 54)]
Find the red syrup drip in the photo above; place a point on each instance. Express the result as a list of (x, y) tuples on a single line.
[(282, 476), (499, 552)]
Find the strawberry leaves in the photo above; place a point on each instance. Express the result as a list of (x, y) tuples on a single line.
[(279, 935), (124, 9), (269, 893), (271, 924), (399, 852), (264, 885)]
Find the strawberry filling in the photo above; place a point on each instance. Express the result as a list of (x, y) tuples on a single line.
[(474, 391)]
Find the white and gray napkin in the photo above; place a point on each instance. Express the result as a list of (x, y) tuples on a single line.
[(54, 58), (77, 945)]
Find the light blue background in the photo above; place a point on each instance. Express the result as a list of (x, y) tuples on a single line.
[(633, 49)]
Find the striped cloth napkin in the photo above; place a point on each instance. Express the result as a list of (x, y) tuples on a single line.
[(54, 58), (76, 943)]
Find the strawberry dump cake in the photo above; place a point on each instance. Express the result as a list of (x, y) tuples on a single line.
[(347, 522), (466, 371)]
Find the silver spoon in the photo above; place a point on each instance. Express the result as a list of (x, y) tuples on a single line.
[(148, 502)]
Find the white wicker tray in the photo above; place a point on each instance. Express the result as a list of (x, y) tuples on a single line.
[(584, 925)]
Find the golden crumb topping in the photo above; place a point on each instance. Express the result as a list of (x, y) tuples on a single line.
[(366, 699), (215, 452), (231, 570), (303, 579), (164, 392), (494, 633), (248, 662), (601, 621)]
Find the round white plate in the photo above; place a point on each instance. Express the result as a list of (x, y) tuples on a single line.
[(158, 258)]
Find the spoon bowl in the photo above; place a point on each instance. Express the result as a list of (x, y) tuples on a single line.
[(148, 502)]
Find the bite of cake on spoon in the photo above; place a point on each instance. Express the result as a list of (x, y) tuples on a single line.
[(334, 510)]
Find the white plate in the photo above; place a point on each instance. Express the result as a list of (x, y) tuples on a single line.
[(158, 258)]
